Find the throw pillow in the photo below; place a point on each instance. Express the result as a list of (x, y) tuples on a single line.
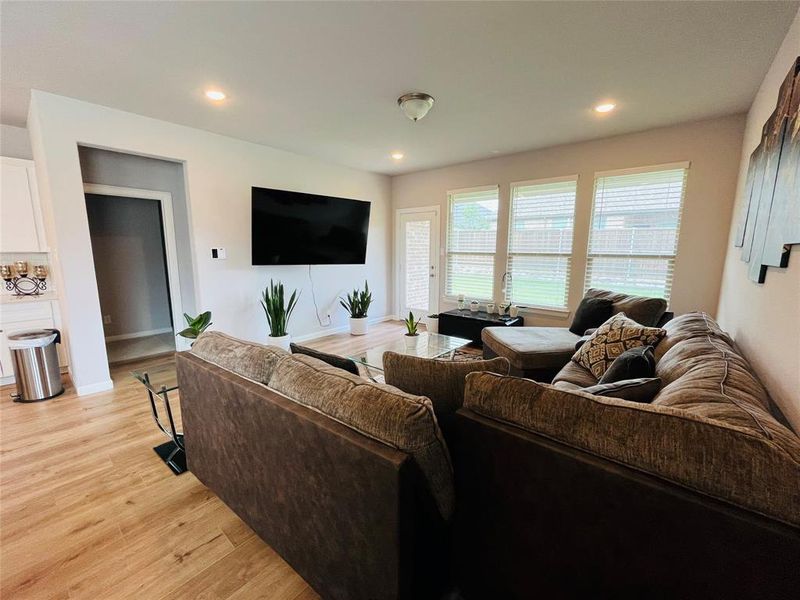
[(442, 381), (591, 312), (631, 364), (611, 339), (642, 390), (335, 361)]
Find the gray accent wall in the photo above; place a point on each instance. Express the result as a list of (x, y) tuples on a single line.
[(129, 263), (130, 170)]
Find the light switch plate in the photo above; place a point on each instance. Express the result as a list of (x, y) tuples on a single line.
[(218, 253)]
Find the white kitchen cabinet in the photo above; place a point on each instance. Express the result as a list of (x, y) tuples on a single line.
[(19, 315), (21, 227)]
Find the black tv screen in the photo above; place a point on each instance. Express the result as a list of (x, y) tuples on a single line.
[(292, 228)]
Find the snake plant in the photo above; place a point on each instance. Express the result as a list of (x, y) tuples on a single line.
[(276, 309), (357, 303), (411, 324)]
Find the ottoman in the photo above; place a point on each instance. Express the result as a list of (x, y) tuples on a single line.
[(534, 352)]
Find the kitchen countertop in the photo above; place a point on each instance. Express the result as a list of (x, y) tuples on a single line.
[(43, 297)]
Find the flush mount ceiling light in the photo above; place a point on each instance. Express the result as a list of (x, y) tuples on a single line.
[(605, 107), (415, 105), (215, 95), (397, 155)]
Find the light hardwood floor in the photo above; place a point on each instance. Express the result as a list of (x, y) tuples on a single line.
[(87, 509)]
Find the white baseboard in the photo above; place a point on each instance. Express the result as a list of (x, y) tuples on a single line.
[(341, 329), (137, 334), (94, 388)]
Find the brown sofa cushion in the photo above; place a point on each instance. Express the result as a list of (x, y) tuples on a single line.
[(645, 311), (611, 339), (248, 359), (442, 381), (381, 412), (705, 375), (749, 469), (529, 348)]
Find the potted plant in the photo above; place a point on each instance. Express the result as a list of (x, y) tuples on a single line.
[(432, 323), (411, 336), (357, 304), (196, 325), (278, 313)]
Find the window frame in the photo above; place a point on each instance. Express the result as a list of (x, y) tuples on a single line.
[(670, 258), (541, 181), (450, 193)]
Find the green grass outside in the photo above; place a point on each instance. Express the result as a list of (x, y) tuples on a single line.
[(543, 292)]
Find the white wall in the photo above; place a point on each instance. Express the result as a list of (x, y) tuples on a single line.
[(765, 319), (129, 263), (14, 142), (712, 147), (219, 173), (144, 173)]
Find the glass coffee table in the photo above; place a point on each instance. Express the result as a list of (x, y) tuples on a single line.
[(159, 380), (427, 345)]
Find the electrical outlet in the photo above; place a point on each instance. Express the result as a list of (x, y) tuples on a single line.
[(219, 253), (106, 319)]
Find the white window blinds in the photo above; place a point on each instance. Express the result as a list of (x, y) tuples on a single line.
[(540, 242), (634, 235), (471, 242)]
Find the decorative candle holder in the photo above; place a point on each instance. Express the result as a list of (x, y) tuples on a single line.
[(21, 267), (20, 283)]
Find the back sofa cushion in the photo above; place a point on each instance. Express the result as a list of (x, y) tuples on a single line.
[(643, 310), (248, 359), (381, 412), (442, 381), (740, 466), (704, 374)]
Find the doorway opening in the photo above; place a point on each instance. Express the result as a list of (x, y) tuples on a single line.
[(135, 263), (418, 258)]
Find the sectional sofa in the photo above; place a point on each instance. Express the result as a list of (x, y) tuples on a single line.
[(538, 490)]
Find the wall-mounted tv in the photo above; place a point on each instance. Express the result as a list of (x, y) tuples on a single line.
[(292, 228)]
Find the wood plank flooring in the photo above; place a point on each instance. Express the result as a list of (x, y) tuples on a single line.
[(87, 509)]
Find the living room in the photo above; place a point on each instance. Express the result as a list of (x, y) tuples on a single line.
[(441, 200)]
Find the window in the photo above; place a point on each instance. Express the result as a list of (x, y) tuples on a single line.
[(540, 242), (471, 242), (634, 235)]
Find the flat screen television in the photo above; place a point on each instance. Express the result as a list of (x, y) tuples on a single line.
[(292, 228)]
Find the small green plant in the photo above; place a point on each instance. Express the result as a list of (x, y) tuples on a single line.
[(277, 310), (411, 324), (357, 303), (196, 325)]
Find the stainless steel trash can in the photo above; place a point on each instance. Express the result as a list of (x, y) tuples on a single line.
[(36, 364)]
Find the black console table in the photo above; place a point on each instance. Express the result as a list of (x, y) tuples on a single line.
[(468, 324)]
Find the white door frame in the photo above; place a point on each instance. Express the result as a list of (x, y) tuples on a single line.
[(398, 246), (170, 245)]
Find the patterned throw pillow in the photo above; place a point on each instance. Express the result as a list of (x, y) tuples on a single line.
[(611, 339)]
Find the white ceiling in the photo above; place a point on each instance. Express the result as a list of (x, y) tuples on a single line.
[(322, 78)]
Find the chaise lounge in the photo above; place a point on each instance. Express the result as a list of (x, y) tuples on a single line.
[(540, 352)]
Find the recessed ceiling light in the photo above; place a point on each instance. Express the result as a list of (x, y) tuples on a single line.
[(605, 107), (215, 95), (397, 155)]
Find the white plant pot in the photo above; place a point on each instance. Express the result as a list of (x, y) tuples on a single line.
[(432, 325), (358, 326), (411, 340), (280, 341)]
